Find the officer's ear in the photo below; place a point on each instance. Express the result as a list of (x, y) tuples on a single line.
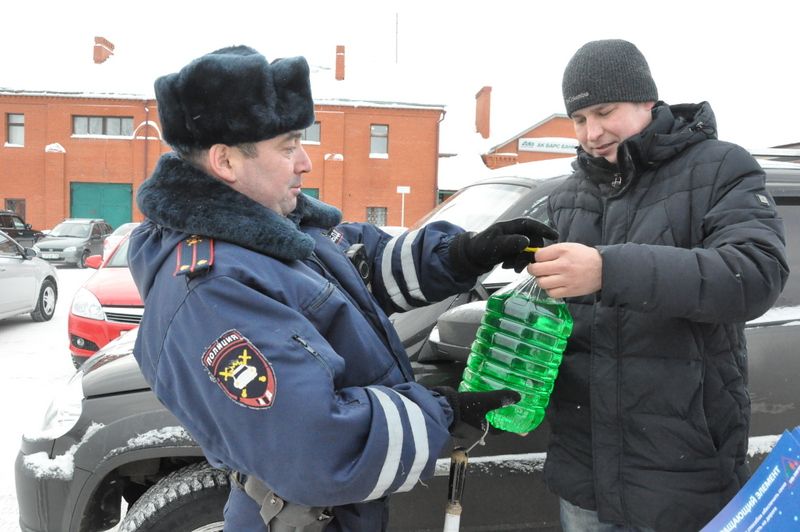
[(219, 163)]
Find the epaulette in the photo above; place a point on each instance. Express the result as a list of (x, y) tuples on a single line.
[(195, 255)]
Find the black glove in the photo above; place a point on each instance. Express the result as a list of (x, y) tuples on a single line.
[(470, 408), (473, 254)]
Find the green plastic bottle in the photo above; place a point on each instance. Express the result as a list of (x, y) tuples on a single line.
[(519, 346)]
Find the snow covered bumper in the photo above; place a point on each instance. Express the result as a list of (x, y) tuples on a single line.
[(45, 502), (76, 480)]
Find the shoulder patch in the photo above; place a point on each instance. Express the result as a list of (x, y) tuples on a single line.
[(240, 370), (335, 236), (195, 255)]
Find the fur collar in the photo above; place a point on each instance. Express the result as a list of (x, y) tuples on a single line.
[(181, 197)]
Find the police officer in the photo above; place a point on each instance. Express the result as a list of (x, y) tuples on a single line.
[(260, 334)]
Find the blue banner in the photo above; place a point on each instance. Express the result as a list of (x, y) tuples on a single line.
[(770, 500)]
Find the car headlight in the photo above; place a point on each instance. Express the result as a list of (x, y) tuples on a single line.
[(86, 305), (36, 248), (63, 412), (70, 249)]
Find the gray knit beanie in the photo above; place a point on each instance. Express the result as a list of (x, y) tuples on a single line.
[(605, 71)]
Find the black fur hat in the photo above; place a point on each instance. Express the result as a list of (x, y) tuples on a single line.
[(232, 96)]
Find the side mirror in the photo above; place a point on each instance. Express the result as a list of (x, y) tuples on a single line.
[(455, 331), (29, 253), (94, 261)]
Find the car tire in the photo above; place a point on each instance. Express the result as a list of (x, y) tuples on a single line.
[(190, 499), (82, 261), (46, 304)]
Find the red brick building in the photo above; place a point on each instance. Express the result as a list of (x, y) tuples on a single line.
[(69, 154), (552, 137)]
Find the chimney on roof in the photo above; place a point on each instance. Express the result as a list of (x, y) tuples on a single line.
[(103, 49), (339, 62), (483, 102)]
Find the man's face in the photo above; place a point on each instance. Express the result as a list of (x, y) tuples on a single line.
[(601, 128), (273, 177)]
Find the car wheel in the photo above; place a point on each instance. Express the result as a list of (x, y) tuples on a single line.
[(190, 499), (82, 260), (46, 304)]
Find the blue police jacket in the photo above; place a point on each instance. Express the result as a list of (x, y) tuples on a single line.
[(262, 338)]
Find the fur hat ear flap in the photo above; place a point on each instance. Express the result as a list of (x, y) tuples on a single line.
[(232, 96)]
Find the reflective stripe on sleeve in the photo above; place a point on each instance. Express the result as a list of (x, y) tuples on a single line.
[(395, 446), (409, 270), (391, 464), (392, 288), (420, 433)]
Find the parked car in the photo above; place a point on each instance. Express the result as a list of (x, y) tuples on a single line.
[(106, 305), (14, 226), (116, 237), (123, 444), (73, 241), (27, 283)]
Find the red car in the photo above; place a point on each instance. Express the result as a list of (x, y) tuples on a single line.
[(105, 306)]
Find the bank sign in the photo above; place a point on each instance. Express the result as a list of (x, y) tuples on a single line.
[(548, 144)]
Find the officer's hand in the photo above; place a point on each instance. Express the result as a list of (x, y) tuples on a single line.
[(470, 408), (473, 254)]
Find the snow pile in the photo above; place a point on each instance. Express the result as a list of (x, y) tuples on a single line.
[(155, 438), (520, 463), (60, 467)]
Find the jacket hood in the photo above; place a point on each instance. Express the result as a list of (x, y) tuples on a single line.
[(181, 197), (673, 129)]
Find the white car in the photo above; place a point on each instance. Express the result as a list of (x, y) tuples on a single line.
[(112, 240), (28, 284)]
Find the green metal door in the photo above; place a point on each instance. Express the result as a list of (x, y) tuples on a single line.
[(109, 201)]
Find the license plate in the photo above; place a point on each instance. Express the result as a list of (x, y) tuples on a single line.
[(49, 255)]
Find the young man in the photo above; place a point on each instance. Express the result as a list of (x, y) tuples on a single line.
[(261, 336), (669, 243)]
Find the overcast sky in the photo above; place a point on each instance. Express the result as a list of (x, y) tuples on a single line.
[(739, 56)]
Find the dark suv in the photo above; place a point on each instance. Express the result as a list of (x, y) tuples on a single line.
[(73, 241), (14, 226), (125, 445)]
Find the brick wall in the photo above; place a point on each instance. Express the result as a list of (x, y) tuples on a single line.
[(343, 171)]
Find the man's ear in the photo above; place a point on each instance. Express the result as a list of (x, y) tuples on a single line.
[(219, 162)]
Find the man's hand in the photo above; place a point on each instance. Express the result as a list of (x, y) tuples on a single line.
[(568, 269), (470, 408), (473, 254)]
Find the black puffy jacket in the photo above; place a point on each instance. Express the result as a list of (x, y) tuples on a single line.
[(650, 412)]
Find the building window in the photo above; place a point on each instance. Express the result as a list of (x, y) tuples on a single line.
[(15, 129), (109, 126), (313, 192), (17, 205), (377, 215), (311, 133), (379, 141)]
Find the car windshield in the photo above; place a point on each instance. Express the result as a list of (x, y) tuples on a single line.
[(77, 230), (120, 257), (475, 207)]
